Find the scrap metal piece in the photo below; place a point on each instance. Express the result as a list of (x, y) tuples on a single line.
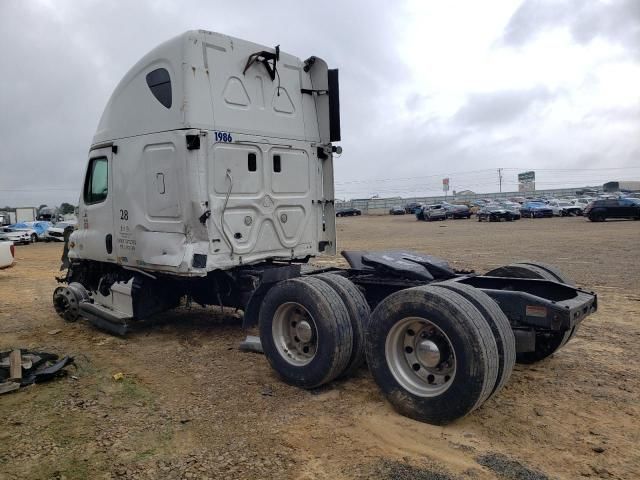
[(7, 387), (251, 344)]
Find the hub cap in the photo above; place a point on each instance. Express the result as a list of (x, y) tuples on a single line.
[(295, 334), (420, 356)]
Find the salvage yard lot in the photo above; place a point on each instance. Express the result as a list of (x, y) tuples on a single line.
[(191, 405)]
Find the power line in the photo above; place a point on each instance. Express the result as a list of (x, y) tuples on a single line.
[(487, 170)]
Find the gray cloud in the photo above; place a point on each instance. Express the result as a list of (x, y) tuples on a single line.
[(495, 108), (62, 59), (617, 21), (63, 62)]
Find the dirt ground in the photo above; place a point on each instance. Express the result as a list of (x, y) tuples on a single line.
[(191, 405)]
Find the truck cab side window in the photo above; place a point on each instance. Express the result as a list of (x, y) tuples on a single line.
[(96, 185), (159, 83)]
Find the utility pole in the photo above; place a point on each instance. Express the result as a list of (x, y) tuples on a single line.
[(500, 178)]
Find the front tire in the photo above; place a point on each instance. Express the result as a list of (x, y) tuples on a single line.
[(432, 354), (305, 332), (34, 238)]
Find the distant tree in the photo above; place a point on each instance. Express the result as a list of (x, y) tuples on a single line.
[(66, 208)]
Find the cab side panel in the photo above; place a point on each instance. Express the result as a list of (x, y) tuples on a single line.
[(148, 205)]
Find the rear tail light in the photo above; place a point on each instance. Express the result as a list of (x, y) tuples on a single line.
[(13, 250)]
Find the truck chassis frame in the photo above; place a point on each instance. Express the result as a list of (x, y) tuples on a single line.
[(529, 309)]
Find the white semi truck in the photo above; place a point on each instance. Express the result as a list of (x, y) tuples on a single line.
[(210, 177), (7, 218)]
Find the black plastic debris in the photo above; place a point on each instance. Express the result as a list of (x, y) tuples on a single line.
[(35, 367)]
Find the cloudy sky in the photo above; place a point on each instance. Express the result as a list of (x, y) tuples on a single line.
[(429, 89)]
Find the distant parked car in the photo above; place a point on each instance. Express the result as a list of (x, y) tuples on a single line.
[(494, 213), (456, 211), (348, 212), (56, 232), (397, 210), (412, 207), (429, 213), (18, 235), (37, 227), (564, 208), (7, 254), (600, 210), (513, 207), (535, 210), (582, 202)]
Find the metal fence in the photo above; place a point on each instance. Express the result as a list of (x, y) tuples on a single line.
[(379, 206)]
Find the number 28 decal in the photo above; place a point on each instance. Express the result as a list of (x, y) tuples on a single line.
[(223, 137)]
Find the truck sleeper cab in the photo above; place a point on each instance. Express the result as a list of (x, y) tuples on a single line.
[(212, 152)]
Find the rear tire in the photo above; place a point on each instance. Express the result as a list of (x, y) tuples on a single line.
[(500, 326), (305, 332), (432, 354), (547, 343), (526, 269), (359, 313)]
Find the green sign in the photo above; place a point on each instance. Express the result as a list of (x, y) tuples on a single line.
[(527, 177)]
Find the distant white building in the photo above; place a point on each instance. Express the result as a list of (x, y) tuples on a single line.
[(625, 186)]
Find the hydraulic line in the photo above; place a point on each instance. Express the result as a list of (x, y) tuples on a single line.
[(224, 208)]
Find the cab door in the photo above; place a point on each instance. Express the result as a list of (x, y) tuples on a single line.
[(94, 237)]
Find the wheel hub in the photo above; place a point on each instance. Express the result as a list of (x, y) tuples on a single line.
[(304, 331), (295, 334), (428, 353), (66, 301), (420, 356)]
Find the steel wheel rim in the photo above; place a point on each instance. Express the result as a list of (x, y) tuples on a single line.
[(420, 356), (295, 334)]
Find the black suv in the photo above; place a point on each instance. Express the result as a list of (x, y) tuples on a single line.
[(600, 210)]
